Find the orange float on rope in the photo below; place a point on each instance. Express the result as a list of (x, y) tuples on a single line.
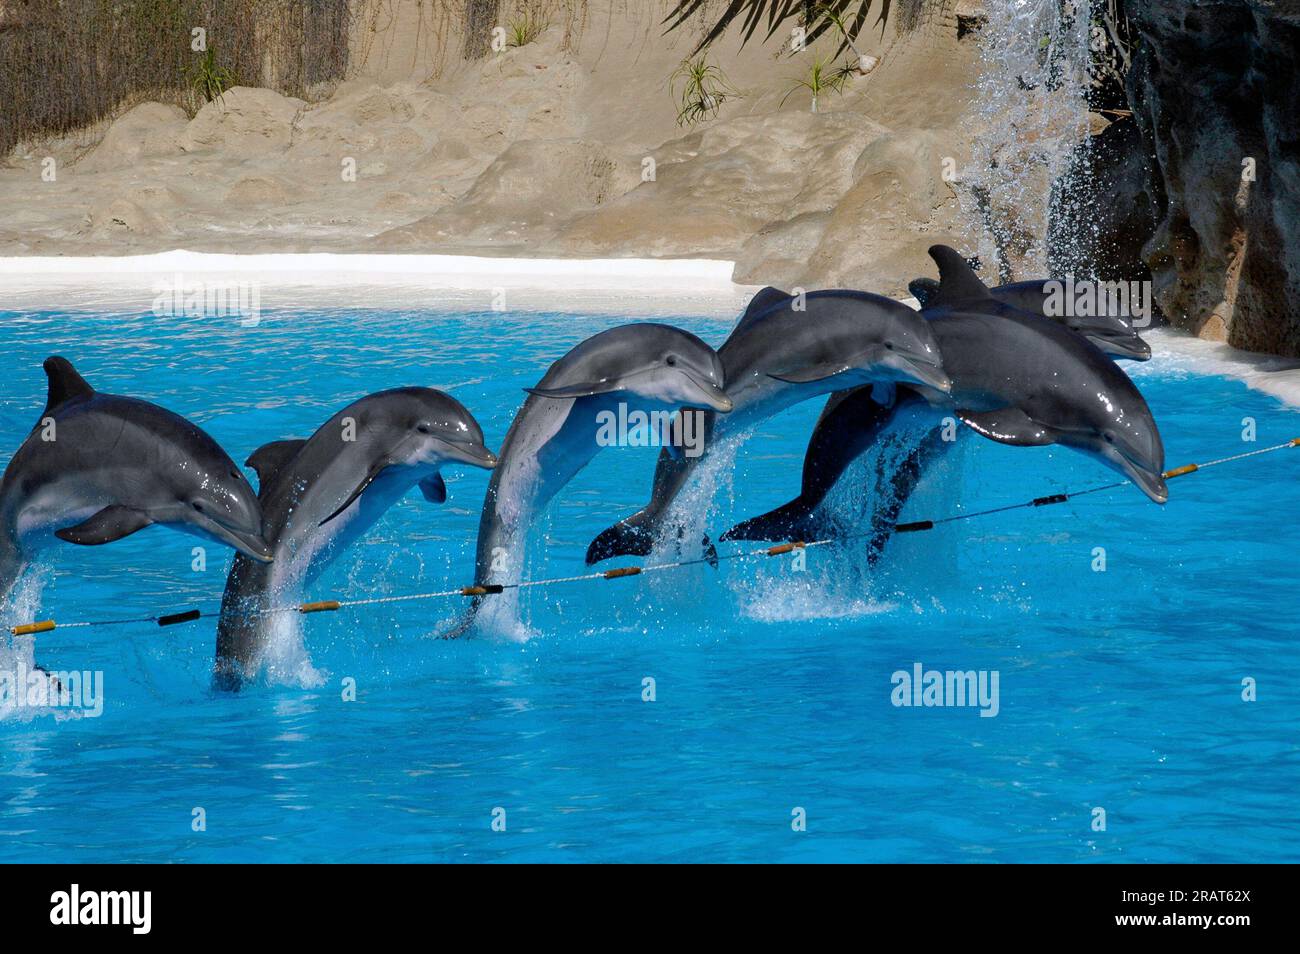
[(615, 573), (321, 606), (27, 629), (785, 548), (484, 590)]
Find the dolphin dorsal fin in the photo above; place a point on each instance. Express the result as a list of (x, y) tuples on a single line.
[(957, 280), (760, 303), (65, 383), (269, 459)]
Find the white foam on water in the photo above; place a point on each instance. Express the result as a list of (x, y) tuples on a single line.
[(285, 660), (18, 653), (783, 597), (692, 514), (499, 617), (1175, 351)]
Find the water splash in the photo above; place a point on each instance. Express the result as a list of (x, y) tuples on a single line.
[(286, 661), (1030, 111), (18, 653)]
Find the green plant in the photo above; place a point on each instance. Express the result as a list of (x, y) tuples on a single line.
[(524, 29), (837, 17), (209, 80), (704, 89), (822, 77)]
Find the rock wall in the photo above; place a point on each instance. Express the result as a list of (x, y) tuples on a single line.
[(1215, 92)]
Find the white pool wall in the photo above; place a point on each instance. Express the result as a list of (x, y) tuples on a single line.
[(636, 287), (640, 287)]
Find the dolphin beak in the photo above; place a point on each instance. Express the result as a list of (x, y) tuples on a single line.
[(1132, 347), (1152, 483), (914, 371), (708, 395), (476, 455), (250, 544)]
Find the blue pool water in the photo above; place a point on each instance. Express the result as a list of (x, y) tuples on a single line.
[(1119, 690)]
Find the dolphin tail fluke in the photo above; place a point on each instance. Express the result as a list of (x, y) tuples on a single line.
[(463, 625), (790, 522), (634, 536)]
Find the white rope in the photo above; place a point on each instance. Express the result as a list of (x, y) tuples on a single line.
[(331, 605)]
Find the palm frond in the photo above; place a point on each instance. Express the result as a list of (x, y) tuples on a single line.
[(816, 18)]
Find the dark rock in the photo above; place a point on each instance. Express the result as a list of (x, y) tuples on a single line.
[(1216, 96)]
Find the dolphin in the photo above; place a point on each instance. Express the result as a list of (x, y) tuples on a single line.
[(1016, 378), (321, 494), (784, 350), (98, 467), (647, 368), (1112, 332)]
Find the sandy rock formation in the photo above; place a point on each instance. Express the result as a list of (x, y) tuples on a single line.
[(119, 217), (525, 195), (1215, 89), (143, 132), (245, 121), (540, 150)]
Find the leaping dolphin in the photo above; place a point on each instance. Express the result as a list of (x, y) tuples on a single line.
[(784, 350), (319, 495), (646, 368), (1017, 378), (1112, 332), (98, 467)]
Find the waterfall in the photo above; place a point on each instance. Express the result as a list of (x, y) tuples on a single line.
[(1030, 111)]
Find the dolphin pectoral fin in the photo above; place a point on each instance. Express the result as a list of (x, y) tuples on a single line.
[(269, 459), (434, 489), (360, 489), (111, 523), (1008, 425), (580, 390), (884, 393), (634, 536)]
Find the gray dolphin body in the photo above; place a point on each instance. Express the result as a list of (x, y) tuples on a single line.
[(785, 350), (1113, 333), (1017, 379), (321, 494), (644, 367), (98, 467)]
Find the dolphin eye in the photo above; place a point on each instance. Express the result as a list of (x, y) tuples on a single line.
[(236, 475), (1109, 435), (889, 346), (422, 428), (671, 361), (197, 506)]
